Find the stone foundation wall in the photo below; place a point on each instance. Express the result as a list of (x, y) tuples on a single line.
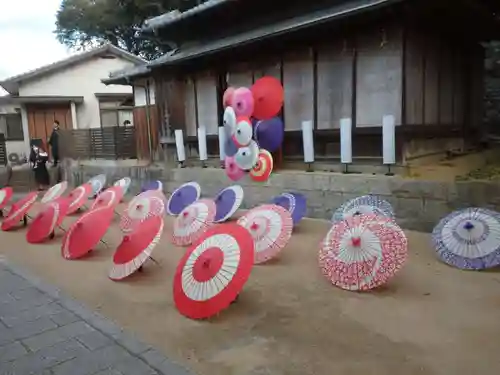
[(419, 205)]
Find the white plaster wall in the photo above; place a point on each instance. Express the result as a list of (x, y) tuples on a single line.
[(140, 94), (82, 79)]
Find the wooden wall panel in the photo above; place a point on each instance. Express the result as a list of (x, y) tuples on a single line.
[(190, 108), (141, 130), (379, 76), (458, 88), (298, 81), (334, 83), (446, 85), (270, 67), (206, 97), (432, 62), (41, 120), (414, 77), (240, 75)]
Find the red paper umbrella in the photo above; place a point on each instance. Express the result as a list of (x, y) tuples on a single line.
[(136, 248), (86, 232), (263, 168), (193, 221), (213, 271), (362, 252), (44, 224), (5, 196), (147, 204), (54, 192), (78, 197), (19, 211), (271, 228), (108, 198), (268, 97)]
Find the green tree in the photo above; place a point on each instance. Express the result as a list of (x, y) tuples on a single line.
[(82, 24)]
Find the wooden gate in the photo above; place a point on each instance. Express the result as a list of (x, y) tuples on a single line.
[(41, 120)]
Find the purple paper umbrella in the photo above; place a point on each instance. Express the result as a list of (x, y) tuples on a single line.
[(230, 148), (295, 203), (182, 197), (227, 202), (269, 133), (469, 239), (152, 185)]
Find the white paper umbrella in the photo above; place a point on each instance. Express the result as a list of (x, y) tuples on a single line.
[(97, 182), (364, 205), (147, 204), (124, 183), (54, 192)]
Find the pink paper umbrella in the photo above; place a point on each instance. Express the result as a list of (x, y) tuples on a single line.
[(362, 252), (193, 221), (234, 172), (145, 205), (271, 228)]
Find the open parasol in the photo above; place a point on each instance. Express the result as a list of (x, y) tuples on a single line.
[(78, 197), (124, 183), (227, 201), (44, 224), (85, 233), (136, 248), (243, 132), (54, 192), (234, 172), (269, 133), (212, 273), (242, 102), (145, 205), (19, 211), (366, 204), (469, 239), (98, 183), (362, 252), (268, 95), (5, 197), (247, 157), (108, 198), (264, 167), (192, 222), (182, 197), (295, 203), (271, 228), (152, 185)]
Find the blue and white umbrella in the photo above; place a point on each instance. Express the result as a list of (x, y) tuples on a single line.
[(364, 205), (469, 239), (98, 183), (152, 185), (295, 203)]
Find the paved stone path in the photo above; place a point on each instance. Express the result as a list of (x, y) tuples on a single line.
[(44, 333)]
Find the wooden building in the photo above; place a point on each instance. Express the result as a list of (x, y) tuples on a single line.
[(418, 60)]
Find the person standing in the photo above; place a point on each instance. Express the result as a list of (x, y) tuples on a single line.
[(54, 143), (39, 158)]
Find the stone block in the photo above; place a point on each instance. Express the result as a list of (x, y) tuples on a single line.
[(11, 352), (58, 335)]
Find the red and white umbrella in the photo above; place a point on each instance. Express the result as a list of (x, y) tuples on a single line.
[(271, 228), (44, 224), (78, 197), (362, 252), (86, 232), (5, 197), (213, 271), (136, 248), (147, 204), (193, 221), (19, 211), (108, 198), (54, 192)]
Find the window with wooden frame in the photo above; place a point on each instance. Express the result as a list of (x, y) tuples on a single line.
[(11, 126), (116, 112), (298, 82)]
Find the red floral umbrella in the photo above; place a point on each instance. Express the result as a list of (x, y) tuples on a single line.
[(5, 197), (271, 228), (136, 248), (44, 224), (54, 192), (86, 232), (268, 97), (78, 197), (108, 198), (193, 221), (19, 211), (362, 252), (213, 271), (147, 204)]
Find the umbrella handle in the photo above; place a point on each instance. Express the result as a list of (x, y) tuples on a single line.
[(104, 243), (155, 261), (25, 220)]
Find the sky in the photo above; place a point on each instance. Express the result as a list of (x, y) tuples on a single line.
[(27, 40)]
